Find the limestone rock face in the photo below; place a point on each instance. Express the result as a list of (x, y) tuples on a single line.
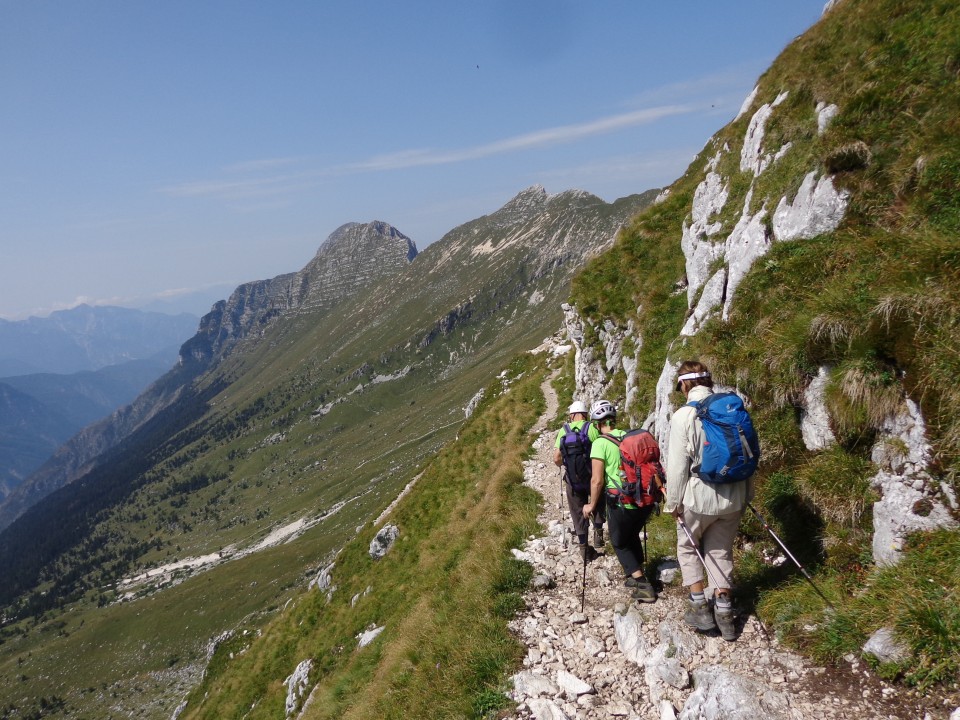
[(885, 647), (817, 208), (707, 241), (297, 684), (352, 257), (722, 695), (814, 418), (384, 540), (368, 636), (910, 501)]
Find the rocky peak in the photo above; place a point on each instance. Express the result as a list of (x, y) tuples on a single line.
[(533, 195), (373, 235), (352, 257)]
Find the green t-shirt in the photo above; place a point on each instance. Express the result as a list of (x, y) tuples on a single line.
[(609, 452), (593, 433)]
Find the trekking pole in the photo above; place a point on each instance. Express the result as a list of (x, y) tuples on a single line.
[(646, 558), (696, 549), (560, 496), (790, 555), (583, 587)]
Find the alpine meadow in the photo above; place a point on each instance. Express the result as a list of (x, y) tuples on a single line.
[(324, 511)]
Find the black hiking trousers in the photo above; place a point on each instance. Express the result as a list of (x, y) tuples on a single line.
[(625, 527), (576, 501)]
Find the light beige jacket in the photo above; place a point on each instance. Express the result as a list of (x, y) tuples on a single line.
[(683, 452)]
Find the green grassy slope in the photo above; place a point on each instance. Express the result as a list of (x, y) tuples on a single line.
[(443, 592), (878, 301)]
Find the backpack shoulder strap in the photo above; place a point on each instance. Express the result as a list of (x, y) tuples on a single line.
[(567, 429), (615, 440)]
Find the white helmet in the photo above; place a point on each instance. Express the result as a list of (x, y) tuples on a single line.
[(577, 407), (602, 409)]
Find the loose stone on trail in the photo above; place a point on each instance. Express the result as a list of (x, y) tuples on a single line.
[(617, 659)]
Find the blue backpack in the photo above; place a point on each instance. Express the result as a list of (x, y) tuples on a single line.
[(731, 449)]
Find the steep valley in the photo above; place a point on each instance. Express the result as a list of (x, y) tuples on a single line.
[(301, 412)]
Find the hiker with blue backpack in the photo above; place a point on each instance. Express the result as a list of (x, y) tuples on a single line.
[(712, 454), (572, 453)]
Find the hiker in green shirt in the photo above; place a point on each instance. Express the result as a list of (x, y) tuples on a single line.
[(624, 520), (572, 453)]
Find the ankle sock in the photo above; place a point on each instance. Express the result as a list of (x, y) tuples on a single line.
[(697, 597), (723, 602)]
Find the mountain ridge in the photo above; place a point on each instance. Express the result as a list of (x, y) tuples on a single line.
[(64, 404), (88, 338), (335, 354)]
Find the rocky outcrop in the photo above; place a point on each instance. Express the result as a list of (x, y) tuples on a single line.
[(297, 684), (814, 417), (911, 500), (706, 242), (593, 374), (368, 636), (383, 541), (353, 257)]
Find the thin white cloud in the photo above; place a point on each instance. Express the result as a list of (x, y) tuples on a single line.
[(540, 138), (705, 89), (233, 189)]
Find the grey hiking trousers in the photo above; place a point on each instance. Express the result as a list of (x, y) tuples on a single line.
[(715, 535)]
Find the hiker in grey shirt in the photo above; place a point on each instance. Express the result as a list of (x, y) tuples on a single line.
[(711, 512)]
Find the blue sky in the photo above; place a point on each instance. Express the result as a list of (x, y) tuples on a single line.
[(152, 149)]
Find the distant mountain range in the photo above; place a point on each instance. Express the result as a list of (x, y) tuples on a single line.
[(38, 413), (60, 373), (88, 338), (368, 290)]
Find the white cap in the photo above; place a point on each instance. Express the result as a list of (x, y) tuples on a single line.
[(693, 376)]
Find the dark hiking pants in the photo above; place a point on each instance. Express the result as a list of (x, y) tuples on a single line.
[(575, 501), (625, 528)]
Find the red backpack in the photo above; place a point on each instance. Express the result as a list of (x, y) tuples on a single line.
[(641, 474)]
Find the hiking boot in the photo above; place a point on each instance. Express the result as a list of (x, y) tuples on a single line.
[(598, 539), (641, 589), (726, 621), (699, 615), (587, 553)]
